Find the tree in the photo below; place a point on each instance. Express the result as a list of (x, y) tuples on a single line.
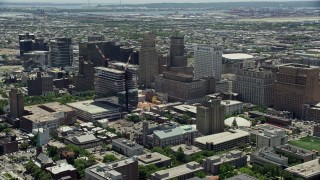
[(109, 158), (24, 146), (200, 174), (134, 118), (146, 171), (180, 154), (287, 176)]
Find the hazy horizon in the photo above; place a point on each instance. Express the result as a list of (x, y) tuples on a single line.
[(140, 1)]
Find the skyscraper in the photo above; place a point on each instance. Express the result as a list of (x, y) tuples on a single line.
[(208, 62), (177, 57), (210, 116), (84, 80), (40, 84), (16, 103), (61, 54), (148, 64), (26, 43), (296, 85)]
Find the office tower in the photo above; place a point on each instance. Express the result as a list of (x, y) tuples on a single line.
[(96, 37), (16, 103), (26, 43), (210, 116), (295, 86), (177, 57), (149, 64), (40, 84), (61, 54), (254, 86), (208, 62), (84, 80), (177, 80)]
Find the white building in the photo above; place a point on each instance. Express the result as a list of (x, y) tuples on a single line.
[(232, 106), (208, 62), (44, 135), (271, 138)]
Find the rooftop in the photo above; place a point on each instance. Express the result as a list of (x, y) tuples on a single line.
[(45, 112), (187, 150), (306, 170), (84, 138), (175, 131), (186, 108), (178, 171), (152, 158), (237, 56), (92, 107), (125, 142), (61, 168), (241, 122), (222, 137)]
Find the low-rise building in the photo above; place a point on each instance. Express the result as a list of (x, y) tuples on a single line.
[(271, 138), (222, 141), (84, 141), (62, 170), (91, 110), (43, 161), (126, 169), (174, 136), (43, 135), (309, 170), (154, 158), (187, 149), (8, 145), (235, 158), (232, 107), (49, 116), (242, 177), (267, 155), (290, 150), (184, 171), (316, 130), (126, 147)]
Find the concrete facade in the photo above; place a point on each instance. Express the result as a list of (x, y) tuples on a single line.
[(255, 86), (208, 62), (271, 138), (210, 116), (295, 86), (127, 147)]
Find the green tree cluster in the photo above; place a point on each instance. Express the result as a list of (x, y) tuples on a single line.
[(3, 103), (134, 118), (226, 171), (109, 158), (146, 171), (36, 172)]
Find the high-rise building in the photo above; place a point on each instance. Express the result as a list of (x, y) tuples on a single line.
[(210, 116), (39, 85), (16, 103), (177, 80), (148, 64), (177, 57), (208, 62), (295, 86), (254, 86), (108, 81), (84, 81), (26, 43), (61, 54)]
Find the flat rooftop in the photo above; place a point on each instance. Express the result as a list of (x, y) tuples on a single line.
[(185, 108), (127, 143), (306, 170), (45, 112), (179, 170), (61, 168), (92, 107), (152, 158), (175, 131), (187, 150), (222, 137), (237, 56)]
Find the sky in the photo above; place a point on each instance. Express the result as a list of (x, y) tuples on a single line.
[(139, 1)]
